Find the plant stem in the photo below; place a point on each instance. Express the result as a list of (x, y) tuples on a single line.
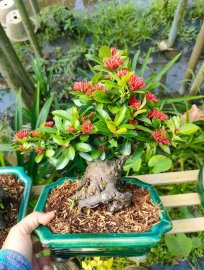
[(16, 64), (197, 82), (35, 7), (28, 27), (10, 76), (176, 22), (193, 60)]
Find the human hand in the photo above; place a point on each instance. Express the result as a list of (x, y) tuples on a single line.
[(19, 239)]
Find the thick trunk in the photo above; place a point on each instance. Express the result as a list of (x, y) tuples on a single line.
[(98, 186)]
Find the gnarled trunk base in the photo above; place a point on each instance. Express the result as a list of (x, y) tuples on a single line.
[(98, 185)]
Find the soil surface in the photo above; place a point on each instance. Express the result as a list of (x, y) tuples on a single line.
[(14, 192), (140, 216)]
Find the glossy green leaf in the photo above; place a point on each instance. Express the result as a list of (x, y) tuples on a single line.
[(105, 52), (188, 129), (160, 163), (101, 97), (83, 147)]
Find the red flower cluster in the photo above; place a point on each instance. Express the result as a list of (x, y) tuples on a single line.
[(114, 51), (87, 127), (122, 72), (22, 134), (136, 83), (133, 122), (134, 102), (71, 129), (102, 148), (35, 134), (39, 150), (157, 114), (48, 124), (159, 137), (86, 87), (113, 62), (88, 116), (152, 97)]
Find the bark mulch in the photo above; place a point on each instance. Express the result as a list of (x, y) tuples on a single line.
[(140, 216), (14, 192)]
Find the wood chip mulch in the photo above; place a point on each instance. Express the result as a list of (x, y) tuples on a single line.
[(140, 216), (14, 192)]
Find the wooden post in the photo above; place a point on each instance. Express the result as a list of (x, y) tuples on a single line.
[(11, 78), (28, 27), (199, 79), (15, 63), (197, 50), (35, 7), (176, 22)]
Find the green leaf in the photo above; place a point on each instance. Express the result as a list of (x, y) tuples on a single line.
[(188, 129), (83, 147), (49, 153), (85, 156), (129, 134), (111, 126), (143, 128), (113, 109), (48, 130), (96, 78), (126, 148), (38, 158), (105, 52), (18, 112), (101, 97), (102, 115), (160, 163), (44, 112), (96, 154), (71, 153), (57, 139), (196, 242), (132, 164), (165, 148), (120, 116), (62, 162), (102, 128), (138, 152), (179, 245)]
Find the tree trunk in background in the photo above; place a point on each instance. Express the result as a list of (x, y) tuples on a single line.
[(15, 63), (197, 82), (28, 27), (35, 7), (197, 50), (176, 22), (13, 81)]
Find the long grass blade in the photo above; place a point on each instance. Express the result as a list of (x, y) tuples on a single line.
[(44, 112)]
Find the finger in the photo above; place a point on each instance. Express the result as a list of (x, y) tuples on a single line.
[(32, 221)]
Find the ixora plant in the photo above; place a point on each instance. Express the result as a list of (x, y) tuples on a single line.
[(114, 118)]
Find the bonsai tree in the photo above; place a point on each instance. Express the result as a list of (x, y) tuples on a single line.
[(113, 117)]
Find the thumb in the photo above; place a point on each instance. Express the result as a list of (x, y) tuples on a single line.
[(32, 221)]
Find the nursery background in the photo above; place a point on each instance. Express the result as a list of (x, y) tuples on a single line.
[(46, 46)]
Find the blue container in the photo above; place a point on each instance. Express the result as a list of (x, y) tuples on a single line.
[(103, 244)]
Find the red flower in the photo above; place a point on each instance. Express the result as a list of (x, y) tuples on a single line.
[(21, 148), (152, 97), (48, 124), (35, 134), (134, 102), (133, 122), (122, 72), (87, 127), (22, 134), (39, 150), (114, 51), (98, 87), (71, 129), (157, 114), (159, 137), (102, 148), (136, 83), (113, 62), (82, 86)]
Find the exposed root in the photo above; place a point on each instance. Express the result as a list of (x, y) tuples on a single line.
[(99, 186)]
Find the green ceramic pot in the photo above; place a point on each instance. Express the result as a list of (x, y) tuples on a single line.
[(25, 179), (103, 244)]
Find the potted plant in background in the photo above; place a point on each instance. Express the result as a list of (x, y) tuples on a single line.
[(113, 120), (15, 187)]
